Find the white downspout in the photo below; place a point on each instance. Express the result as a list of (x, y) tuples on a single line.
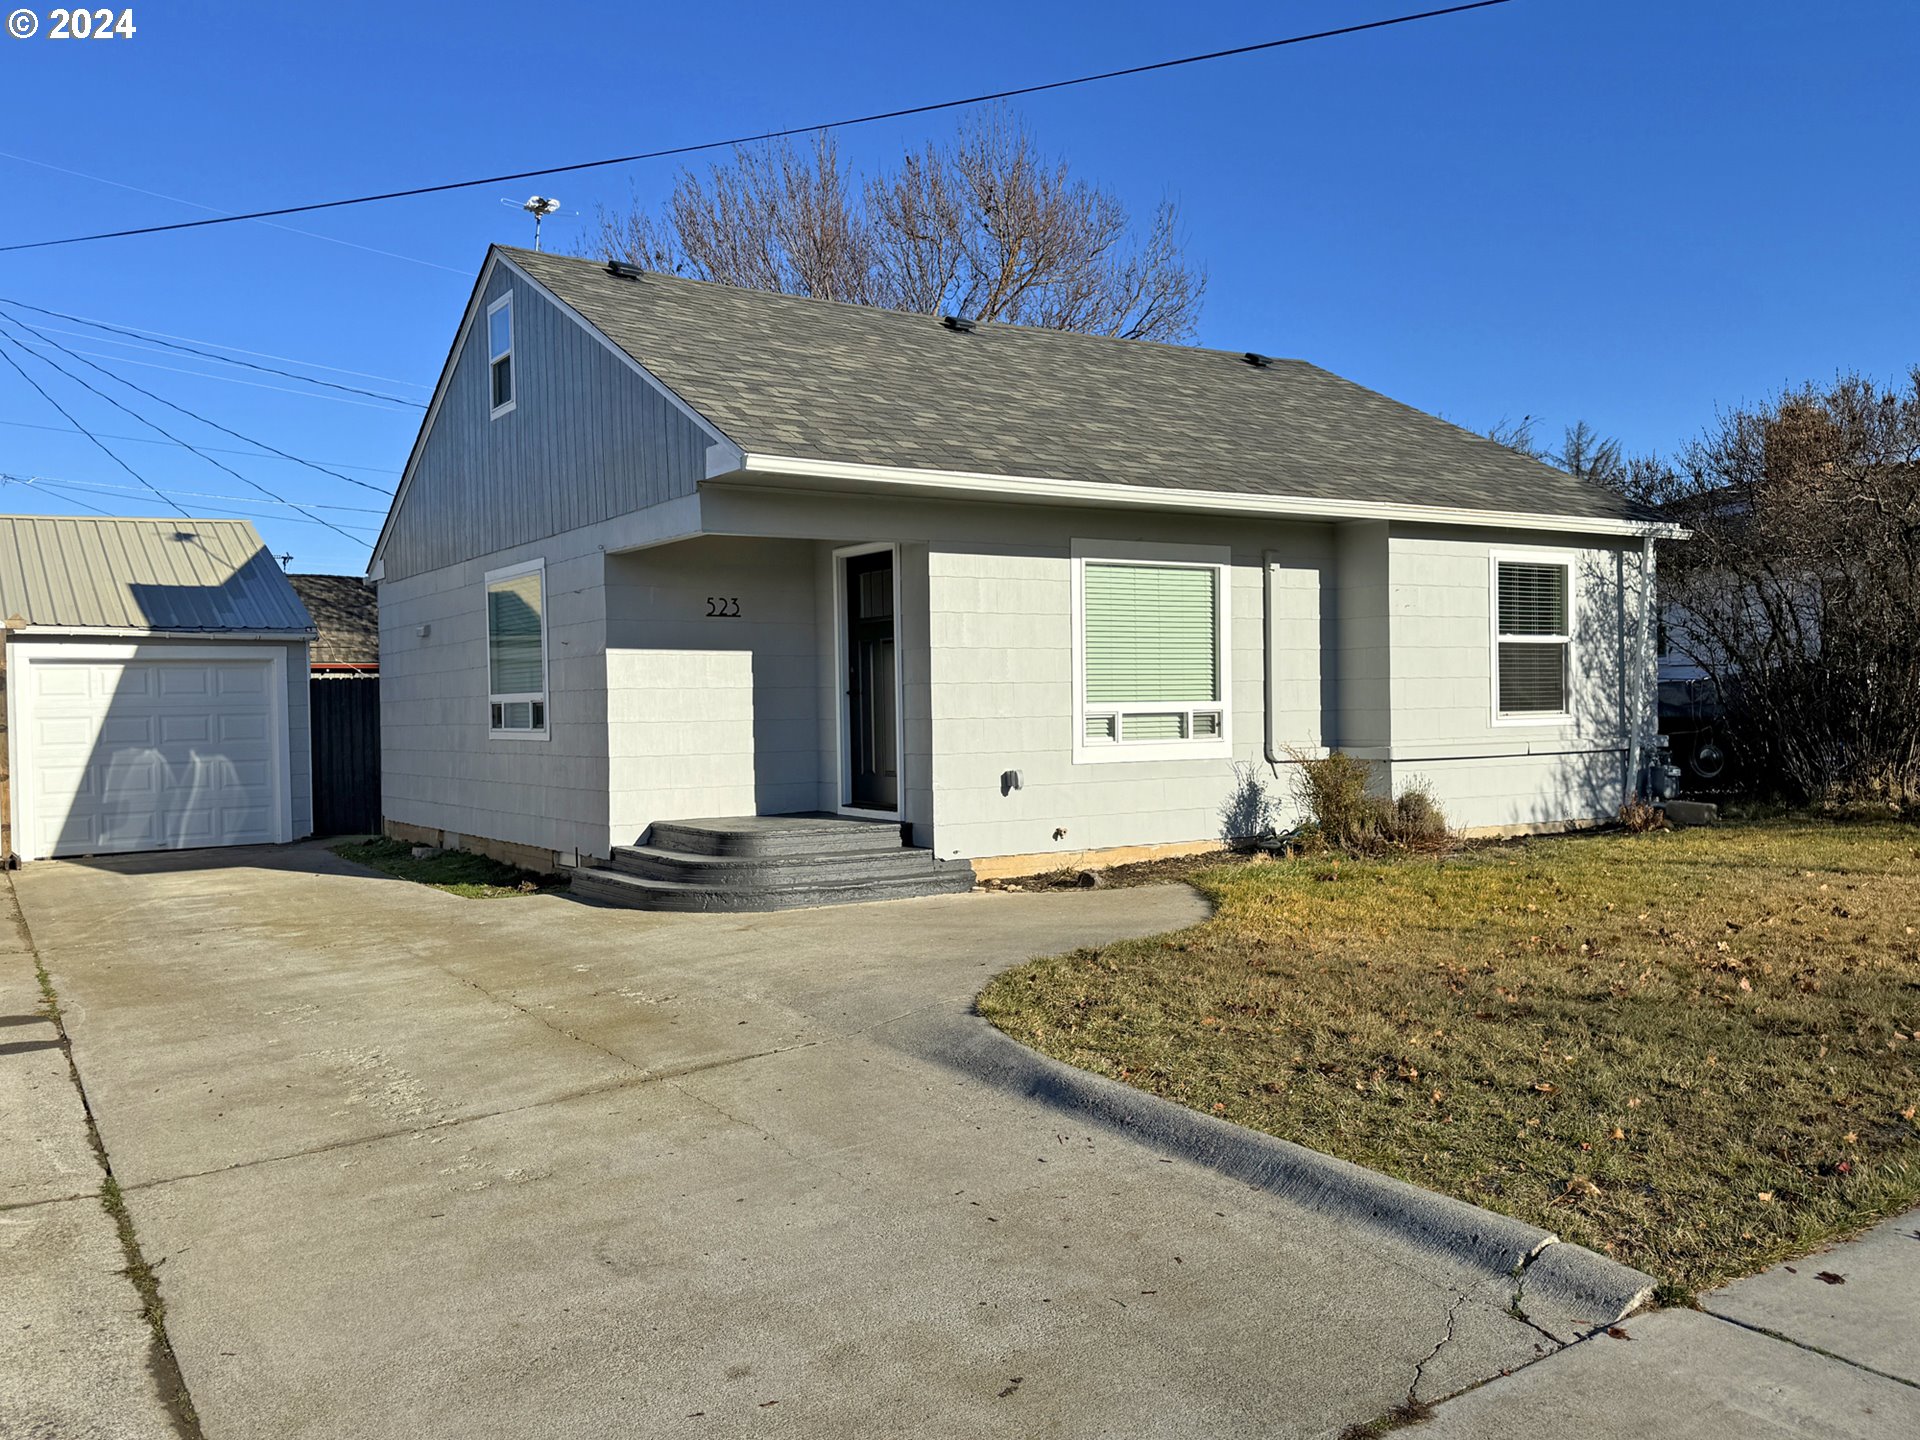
[(1267, 560), (1637, 730)]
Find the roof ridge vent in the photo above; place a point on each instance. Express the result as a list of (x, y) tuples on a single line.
[(965, 324), (621, 270), (1257, 360)]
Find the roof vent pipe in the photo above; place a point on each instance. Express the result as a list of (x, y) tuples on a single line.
[(958, 322), (621, 270), (1258, 361)]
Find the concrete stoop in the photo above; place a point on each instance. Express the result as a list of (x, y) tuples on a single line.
[(769, 862), (1564, 1290)]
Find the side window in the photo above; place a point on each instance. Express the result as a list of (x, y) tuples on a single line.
[(517, 651), (500, 354), (1533, 639)]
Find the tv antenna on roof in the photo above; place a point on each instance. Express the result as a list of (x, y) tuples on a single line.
[(538, 206)]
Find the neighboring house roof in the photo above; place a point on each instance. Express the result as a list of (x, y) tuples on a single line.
[(785, 376), (174, 576), (346, 618)]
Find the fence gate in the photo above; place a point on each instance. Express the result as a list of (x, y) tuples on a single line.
[(346, 754)]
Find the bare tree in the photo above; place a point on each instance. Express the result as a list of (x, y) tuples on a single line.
[(1518, 435), (1799, 593), (1585, 453), (984, 226)]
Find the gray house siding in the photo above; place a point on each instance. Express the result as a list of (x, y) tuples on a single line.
[(1505, 775), (441, 769), (588, 439)]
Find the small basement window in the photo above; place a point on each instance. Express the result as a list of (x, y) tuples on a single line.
[(1533, 638), (500, 354), (1152, 660), (517, 651)]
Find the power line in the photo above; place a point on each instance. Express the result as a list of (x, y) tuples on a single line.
[(150, 424), (212, 449), (204, 495), (673, 151), (221, 379), (70, 499), (210, 355), (66, 495), (196, 205), (181, 409), (81, 428), (146, 332)]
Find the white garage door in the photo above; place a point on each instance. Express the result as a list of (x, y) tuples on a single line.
[(149, 754)]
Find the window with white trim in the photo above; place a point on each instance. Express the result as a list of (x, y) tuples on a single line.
[(1533, 637), (500, 355), (517, 650), (1152, 661)]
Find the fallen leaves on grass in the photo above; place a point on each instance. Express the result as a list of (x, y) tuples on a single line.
[(1482, 1024)]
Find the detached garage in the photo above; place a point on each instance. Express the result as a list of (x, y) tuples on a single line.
[(156, 688)]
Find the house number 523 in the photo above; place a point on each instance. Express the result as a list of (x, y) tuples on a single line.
[(722, 607)]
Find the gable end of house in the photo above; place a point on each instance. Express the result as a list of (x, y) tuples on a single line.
[(585, 434)]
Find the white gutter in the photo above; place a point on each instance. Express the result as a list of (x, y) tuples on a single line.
[(1038, 490)]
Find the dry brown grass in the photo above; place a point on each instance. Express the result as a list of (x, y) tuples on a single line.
[(1694, 1050)]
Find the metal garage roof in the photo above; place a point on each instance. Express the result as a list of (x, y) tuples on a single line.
[(172, 576)]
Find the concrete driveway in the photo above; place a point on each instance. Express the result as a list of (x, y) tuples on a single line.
[(415, 1166)]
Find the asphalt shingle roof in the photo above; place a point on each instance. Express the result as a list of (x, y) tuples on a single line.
[(108, 573), (346, 618), (815, 379)]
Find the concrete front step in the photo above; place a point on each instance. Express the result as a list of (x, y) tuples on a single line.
[(619, 887), (652, 862), (804, 835), (768, 862)]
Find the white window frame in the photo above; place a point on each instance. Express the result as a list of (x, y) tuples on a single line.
[(1219, 559), (505, 302), (543, 698), (1523, 556)]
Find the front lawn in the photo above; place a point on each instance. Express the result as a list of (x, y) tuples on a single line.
[(472, 877), (1692, 1050)]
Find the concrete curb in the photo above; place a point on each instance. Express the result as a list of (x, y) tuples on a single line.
[(1583, 1289)]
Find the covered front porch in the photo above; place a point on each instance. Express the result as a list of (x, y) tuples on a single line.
[(757, 676)]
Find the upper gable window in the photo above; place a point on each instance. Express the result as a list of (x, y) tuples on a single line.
[(500, 354)]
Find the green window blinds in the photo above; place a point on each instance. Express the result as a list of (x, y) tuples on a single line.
[(516, 636), (1151, 635), (1151, 647)]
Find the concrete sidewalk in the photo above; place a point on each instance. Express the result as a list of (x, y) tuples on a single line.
[(413, 1166), (77, 1359), (1824, 1346)]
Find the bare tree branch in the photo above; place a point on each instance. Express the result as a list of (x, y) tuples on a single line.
[(984, 226), (1799, 593)]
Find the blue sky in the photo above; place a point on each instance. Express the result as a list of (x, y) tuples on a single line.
[(1629, 212)]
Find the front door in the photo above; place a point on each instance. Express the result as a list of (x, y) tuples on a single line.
[(873, 768)]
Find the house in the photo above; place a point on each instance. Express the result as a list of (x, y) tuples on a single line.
[(346, 623), (156, 687), (669, 551)]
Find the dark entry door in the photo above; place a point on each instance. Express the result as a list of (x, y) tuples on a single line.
[(873, 770)]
